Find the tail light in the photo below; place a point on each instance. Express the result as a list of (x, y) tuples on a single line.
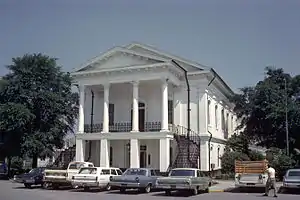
[(110, 178), (96, 178), (73, 177), (260, 177), (137, 179)]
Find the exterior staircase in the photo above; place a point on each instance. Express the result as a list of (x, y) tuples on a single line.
[(188, 148)]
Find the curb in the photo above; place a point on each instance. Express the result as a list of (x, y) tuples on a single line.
[(215, 191)]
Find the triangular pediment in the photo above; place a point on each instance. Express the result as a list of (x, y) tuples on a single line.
[(149, 50), (119, 57)]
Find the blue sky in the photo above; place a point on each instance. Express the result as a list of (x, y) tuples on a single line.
[(237, 38)]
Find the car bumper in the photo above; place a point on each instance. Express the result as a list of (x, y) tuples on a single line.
[(127, 185), (174, 187), (87, 184), (55, 180), (291, 185)]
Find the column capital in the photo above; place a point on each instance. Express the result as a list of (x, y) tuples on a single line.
[(106, 85), (165, 80), (135, 83)]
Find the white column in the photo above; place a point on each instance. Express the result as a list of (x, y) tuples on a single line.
[(104, 153), (105, 123), (135, 107), (81, 109), (164, 154), (79, 150), (134, 153), (164, 104)]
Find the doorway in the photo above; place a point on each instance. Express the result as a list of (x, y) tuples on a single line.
[(143, 156), (141, 116)]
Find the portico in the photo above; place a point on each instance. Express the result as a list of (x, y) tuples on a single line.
[(138, 122)]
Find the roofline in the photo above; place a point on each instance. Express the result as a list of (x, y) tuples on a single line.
[(222, 81)]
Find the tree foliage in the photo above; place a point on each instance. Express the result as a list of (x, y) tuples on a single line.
[(261, 109), (37, 107)]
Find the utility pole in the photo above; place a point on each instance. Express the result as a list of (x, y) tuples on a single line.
[(286, 119)]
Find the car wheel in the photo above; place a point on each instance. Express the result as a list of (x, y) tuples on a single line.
[(122, 190), (206, 190), (108, 187), (147, 189), (27, 185), (45, 185), (168, 192), (194, 191)]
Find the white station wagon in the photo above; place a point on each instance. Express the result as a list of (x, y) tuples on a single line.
[(91, 177)]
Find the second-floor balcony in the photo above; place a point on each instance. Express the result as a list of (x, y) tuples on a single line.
[(125, 127)]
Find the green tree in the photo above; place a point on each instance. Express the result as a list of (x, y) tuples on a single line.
[(37, 97), (261, 110)]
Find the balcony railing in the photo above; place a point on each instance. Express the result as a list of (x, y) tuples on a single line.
[(125, 127)]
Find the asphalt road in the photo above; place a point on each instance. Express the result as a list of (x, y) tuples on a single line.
[(14, 191)]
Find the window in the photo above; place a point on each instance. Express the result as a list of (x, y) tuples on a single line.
[(208, 111), (76, 165), (216, 116), (199, 173), (113, 172), (153, 173), (105, 172), (218, 156), (170, 111), (111, 113), (90, 165), (223, 120), (149, 159), (88, 171), (132, 171), (171, 155), (110, 156), (182, 172), (119, 172)]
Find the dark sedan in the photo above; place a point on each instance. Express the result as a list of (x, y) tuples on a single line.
[(33, 177)]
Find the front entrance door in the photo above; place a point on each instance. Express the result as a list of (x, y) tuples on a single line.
[(143, 159)]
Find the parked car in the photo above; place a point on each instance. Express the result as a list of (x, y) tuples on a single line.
[(187, 179), (89, 177), (143, 179), (33, 177), (62, 177), (291, 179)]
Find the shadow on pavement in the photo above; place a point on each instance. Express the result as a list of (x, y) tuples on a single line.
[(92, 190), (176, 194), (128, 192), (245, 190), (289, 191)]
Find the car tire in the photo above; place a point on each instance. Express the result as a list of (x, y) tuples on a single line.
[(45, 186), (122, 190), (206, 190), (27, 185), (147, 189), (168, 193), (108, 187), (194, 191)]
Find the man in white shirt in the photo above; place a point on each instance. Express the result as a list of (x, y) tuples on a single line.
[(271, 182)]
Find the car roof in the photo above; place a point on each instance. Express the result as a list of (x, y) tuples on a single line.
[(184, 169), (293, 170), (102, 167)]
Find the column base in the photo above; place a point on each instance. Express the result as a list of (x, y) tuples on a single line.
[(164, 130), (134, 131), (104, 132)]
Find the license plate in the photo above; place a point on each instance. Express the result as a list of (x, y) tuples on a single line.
[(29, 181), (173, 186), (250, 184)]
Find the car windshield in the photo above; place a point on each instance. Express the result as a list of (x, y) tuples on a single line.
[(88, 171), (294, 173), (182, 172), (34, 171), (141, 172), (76, 165)]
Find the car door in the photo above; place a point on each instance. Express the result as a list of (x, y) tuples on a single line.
[(105, 174)]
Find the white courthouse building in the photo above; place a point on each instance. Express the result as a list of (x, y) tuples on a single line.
[(133, 111)]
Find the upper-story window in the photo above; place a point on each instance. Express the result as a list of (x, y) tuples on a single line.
[(223, 120), (208, 111), (170, 111), (227, 122), (218, 156), (216, 116), (111, 113)]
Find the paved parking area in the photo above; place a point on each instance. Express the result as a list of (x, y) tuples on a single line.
[(14, 191)]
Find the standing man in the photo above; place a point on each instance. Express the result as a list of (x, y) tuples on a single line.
[(271, 182)]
